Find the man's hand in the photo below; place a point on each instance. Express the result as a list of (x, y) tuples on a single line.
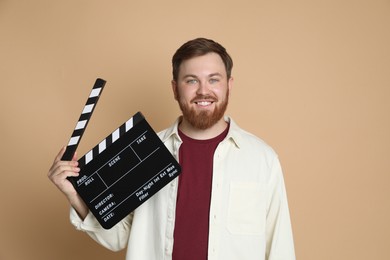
[(58, 174)]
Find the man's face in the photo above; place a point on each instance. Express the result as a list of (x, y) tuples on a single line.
[(202, 90)]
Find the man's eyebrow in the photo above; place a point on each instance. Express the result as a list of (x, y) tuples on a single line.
[(210, 75), (190, 76), (215, 74)]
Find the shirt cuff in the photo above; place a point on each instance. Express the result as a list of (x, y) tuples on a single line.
[(88, 224)]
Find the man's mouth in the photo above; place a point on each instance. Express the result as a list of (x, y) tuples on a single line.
[(203, 103), (204, 100)]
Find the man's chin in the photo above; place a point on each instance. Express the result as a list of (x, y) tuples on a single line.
[(203, 120)]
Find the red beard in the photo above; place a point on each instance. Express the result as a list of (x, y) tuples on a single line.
[(204, 119)]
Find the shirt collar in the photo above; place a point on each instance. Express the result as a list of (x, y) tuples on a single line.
[(234, 132), (172, 131), (233, 135)]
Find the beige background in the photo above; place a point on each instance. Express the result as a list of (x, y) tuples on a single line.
[(312, 78)]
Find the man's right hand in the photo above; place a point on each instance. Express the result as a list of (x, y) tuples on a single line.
[(58, 174)]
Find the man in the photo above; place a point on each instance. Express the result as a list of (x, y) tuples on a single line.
[(229, 202)]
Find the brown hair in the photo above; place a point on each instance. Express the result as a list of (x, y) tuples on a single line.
[(199, 47)]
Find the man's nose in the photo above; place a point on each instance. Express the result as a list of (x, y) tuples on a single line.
[(203, 88)]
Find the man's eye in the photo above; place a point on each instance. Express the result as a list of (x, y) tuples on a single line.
[(191, 81), (213, 80)]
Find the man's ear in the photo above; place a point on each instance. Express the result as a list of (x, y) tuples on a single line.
[(230, 84), (174, 89)]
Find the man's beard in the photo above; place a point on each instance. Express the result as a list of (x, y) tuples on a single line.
[(204, 119)]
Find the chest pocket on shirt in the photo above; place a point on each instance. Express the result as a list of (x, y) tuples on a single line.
[(246, 209)]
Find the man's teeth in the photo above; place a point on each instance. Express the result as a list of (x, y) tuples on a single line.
[(203, 103)]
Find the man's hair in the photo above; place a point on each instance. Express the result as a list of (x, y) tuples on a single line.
[(199, 47)]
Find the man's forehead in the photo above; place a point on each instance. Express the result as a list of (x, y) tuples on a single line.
[(204, 65)]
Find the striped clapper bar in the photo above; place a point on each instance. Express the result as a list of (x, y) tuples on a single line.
[(124, 170), (84, 119)]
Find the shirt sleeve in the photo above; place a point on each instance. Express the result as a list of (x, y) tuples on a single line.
[(114, 239), (279, 236)]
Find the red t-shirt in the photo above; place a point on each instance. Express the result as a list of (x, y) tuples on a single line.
[(193, 197)]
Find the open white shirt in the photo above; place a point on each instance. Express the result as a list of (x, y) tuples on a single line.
[(249, 214)]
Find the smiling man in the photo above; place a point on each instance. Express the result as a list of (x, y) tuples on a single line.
[(202, 91), (229, 202)]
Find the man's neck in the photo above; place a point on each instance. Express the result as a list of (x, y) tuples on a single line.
[(200, 134)]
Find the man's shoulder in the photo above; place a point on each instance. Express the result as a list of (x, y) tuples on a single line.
[(167, 132), (246, 139)]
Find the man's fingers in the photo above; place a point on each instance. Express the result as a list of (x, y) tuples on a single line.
[(57, 159), (65, 174), (61, 168), (74, 156)]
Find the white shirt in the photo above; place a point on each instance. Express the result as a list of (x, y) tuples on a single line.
[(249, 215)]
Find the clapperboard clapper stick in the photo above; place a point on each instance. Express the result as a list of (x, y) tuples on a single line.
[(84, 119), (124, 170)]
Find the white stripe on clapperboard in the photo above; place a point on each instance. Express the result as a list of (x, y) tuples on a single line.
[(81, 124), (103, 144), (74, 140), (87, 109), (95, 92)]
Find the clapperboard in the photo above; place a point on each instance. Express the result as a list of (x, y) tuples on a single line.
[(124, 170)]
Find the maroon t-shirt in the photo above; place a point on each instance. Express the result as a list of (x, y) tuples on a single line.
[(193, 197)]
